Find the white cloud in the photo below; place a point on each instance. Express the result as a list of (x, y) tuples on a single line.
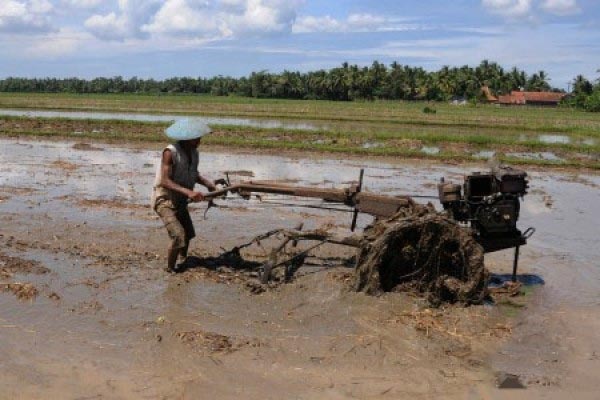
[(516, 9), (509, 8), (198, 19), (109, 27), (353, 23), (368, 21), (182, 16), (133, 14), (30, 16), (56, 44), (13, 9), (317, 24), (561, 7), (256, 17), (40, 6)]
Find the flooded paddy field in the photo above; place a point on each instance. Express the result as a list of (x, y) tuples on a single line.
[(86, 310), (430, 140)]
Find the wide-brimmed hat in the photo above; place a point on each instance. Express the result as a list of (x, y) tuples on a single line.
[(187, 129)]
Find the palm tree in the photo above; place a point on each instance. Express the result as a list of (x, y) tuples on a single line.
[(582, 85)]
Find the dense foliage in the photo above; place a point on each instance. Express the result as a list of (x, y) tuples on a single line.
[(586, 95), (348, 82)]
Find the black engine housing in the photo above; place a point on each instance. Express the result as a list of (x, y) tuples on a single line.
[(490, 205)]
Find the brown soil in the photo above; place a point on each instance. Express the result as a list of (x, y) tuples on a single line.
[(303, 326), (13, 190), (64, 165), (40, 126), (112, 203), (10, 266)]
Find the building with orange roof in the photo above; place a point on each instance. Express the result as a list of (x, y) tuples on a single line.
[(518, 97)]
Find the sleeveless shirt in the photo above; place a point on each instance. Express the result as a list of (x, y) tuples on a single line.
[(184, 172)]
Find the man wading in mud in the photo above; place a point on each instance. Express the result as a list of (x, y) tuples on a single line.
[(174, 184)]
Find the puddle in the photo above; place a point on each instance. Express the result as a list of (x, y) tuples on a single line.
[(372, 145), (542, 155), (430, 150), (28, 166), (255, 123), (484, 154), (552, 139), (589, 142)]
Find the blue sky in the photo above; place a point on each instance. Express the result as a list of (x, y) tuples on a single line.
[(163, 38)]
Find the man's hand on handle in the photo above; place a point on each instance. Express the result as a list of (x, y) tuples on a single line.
[(195, 196)]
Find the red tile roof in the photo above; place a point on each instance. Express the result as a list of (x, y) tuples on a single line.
[(543, 96), (518, 97)]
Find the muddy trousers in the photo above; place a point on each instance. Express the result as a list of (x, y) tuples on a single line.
[(178, 222)]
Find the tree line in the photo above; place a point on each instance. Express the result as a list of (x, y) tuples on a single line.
[(344, 83), (585, 94)]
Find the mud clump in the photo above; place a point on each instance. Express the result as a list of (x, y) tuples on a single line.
[(212, 343), (422, 250), (86, 147), (10, 266), (64, 165), (15, 265), (255, 287), (207, 341), (23, 291)]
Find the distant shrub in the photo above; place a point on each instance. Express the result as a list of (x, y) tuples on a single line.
[(429, 110), (592, 103)]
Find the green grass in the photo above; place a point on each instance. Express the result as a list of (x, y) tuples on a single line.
[(400, 129), (380, 112), (426, 138)]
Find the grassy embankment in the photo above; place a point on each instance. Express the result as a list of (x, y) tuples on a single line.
[(370, 128)]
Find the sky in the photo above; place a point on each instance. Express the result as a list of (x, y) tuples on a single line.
[(204, 38)]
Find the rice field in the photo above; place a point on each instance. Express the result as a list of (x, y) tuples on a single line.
[(521, 135)]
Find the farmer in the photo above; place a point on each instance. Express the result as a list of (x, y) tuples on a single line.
[(174, 186)]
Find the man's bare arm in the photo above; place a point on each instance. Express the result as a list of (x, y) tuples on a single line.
[(210, 185)]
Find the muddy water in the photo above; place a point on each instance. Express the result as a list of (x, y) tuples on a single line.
[(162, 118), (112, 334)]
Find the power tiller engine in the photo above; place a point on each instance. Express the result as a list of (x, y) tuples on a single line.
[(490, 204)]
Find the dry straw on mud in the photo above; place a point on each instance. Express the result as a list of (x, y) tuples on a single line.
[(23, 291)]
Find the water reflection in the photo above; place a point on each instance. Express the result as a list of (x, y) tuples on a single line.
[(270, 124)]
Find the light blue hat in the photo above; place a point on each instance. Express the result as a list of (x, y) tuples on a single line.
[(187, 129)]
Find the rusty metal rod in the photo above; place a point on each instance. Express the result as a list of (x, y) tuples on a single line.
[(339, 195), (366, 202)]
